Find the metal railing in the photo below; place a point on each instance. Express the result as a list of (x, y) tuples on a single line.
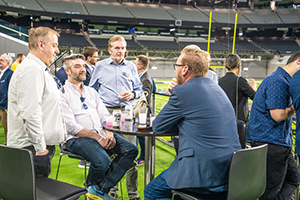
[(54, 67)]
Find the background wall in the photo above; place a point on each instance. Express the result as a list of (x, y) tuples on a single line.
[(12, 46)]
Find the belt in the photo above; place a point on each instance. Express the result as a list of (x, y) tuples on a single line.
[(115, 107)]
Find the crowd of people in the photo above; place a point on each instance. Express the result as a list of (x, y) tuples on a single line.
[(39, 111)]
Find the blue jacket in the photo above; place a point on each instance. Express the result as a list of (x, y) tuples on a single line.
[(88, 75), (62, 75), (4, 83), (204, 117)]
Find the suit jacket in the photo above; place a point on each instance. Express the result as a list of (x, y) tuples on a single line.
[(4, 83), (228, 84), (147, 86), (202, 114), (62, 75), (88, 75)]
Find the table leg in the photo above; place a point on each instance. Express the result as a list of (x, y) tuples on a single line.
[(149, 159)]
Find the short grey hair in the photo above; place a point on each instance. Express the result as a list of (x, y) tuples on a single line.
[(8, 59), (67, 59)]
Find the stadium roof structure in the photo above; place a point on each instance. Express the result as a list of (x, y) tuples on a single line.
[(187, 14)]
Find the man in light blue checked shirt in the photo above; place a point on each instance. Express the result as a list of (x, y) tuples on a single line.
[(115, 78), (118, 84)]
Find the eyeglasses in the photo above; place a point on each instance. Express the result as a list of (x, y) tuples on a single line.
[(58, 83), (83, 104), (177, 65)]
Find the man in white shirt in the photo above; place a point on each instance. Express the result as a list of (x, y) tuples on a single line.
[(84, 112), (35, 119)]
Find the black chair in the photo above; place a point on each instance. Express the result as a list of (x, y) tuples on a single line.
[(247, 177), (17, 179), (241, 127), (65, 152)]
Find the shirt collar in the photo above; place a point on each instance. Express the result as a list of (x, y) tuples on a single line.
[(110, 61), (41, 63), (284, 73), (141, 74), (2, 71), (90, 66), (74, 87)]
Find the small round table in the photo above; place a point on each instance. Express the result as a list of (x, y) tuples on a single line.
[(130, 128)]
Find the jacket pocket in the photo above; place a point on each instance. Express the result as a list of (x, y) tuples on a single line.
[(186, 153)]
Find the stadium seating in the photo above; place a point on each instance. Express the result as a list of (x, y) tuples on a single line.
[(280, 46), (73, 40)]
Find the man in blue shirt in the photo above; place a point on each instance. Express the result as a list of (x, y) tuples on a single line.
[(118, 84), (270, 122), (115, 78), (5, 75)]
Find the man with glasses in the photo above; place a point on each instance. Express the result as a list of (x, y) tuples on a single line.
[(5, 76), (118, 84), (84, 112), (91, 55), (202, 114), (35, 119)]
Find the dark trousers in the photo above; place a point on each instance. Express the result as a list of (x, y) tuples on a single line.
[(283, 176), (42, 164), (141, 140)]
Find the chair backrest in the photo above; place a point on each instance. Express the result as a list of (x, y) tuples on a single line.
[(247, 173), (241, 127), (17, 179)]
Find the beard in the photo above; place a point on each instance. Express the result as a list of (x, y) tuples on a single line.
[(179, 78), (80, 77), (118, 59)]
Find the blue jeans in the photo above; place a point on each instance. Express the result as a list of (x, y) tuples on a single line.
[(103, 172), (158, 189)]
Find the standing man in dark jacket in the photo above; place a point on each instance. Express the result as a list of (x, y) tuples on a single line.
[(5, 75), (91, 58), (142, 63)]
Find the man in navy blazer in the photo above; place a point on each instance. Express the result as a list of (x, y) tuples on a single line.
[(5, 75), (201, 113), (91, 57)]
